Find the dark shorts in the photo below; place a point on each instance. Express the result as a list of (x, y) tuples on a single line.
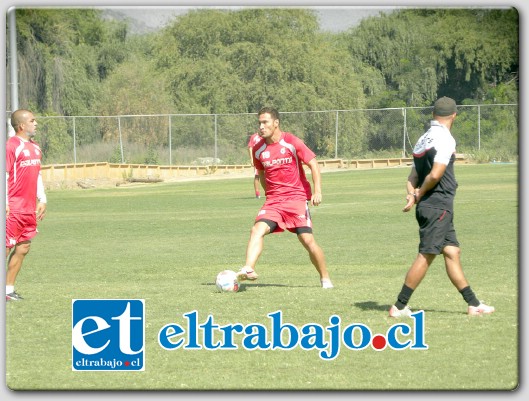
[(436, 230)]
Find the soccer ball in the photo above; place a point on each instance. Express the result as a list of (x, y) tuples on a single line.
[(227, 281)]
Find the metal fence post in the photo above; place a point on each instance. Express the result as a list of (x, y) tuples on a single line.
[(404, 133), (479, 127), (120, 140), (215, 138), (74, 143), (170, 143), (336, 138)]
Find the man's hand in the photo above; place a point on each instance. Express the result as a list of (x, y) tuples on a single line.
[(41, 211), (316, 198), (410, 201)]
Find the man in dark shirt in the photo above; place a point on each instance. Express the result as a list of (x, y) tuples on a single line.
[(432, 187)]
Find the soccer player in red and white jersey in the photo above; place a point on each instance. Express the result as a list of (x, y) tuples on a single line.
[(24, 187), (279, 157), (254, 138)]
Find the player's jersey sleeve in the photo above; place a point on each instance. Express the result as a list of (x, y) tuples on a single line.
[(257, 149), (303, 152), (445, 149)]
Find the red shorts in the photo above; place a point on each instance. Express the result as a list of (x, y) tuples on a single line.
[(288, 215), (20, 228)]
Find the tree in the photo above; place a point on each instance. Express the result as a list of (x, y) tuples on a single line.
[(63, 54), (238, 61), (425, 53)]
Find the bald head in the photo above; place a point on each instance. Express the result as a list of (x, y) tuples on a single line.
[(23, 122)]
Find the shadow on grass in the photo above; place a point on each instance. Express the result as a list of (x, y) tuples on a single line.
[(374, 306), (243, 286), (370, 305)]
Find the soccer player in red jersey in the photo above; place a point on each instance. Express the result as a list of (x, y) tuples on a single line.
[(24, 187), (279, 157)]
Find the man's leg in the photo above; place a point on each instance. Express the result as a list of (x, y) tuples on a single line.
[(254, 249), (14, 263), (418, 270), (317, 257), (413, 278), (452, 255)]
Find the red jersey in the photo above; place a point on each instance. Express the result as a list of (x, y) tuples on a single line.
[(254, 139), (23, 166), (282, 163)]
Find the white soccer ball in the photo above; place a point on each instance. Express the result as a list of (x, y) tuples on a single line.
[(227, 281)]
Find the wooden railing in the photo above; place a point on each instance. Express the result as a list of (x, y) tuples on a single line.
[(115, 171)]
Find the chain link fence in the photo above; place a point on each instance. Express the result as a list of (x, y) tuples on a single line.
[(487, 132)]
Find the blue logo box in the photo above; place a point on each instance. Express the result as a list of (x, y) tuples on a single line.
[(108, 334)]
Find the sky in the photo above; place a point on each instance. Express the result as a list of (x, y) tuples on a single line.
[(333, 19)]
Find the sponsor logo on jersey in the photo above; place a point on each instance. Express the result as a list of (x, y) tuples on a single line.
[(30, 163), (275, 162)]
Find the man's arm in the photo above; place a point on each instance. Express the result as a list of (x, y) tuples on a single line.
[(262, 179), (41, 196), (316, 180), (250, 153), (431, 180), (7, 195), (411, 190), (415, 194)]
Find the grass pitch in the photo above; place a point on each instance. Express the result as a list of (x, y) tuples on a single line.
[(165, 243)]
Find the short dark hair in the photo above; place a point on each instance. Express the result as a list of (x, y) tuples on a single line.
[(270, 110)]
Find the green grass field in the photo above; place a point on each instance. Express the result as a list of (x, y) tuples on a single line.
[(166, 242)]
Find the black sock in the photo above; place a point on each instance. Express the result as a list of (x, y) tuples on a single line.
[(404, 296), (469, 296)]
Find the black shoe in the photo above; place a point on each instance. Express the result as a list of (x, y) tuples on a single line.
[(13, 297)]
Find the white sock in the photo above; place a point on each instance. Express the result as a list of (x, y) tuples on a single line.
[(10, 289)]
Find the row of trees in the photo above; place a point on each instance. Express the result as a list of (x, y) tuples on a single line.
[(75, 62)]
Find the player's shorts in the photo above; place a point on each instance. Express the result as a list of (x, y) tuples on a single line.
[(293, 216), (20, 228), (436, 230)]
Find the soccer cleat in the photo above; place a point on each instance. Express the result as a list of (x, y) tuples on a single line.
[(481, 309), (246, 273), (13, 296), (326, 283), (396, 312)]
